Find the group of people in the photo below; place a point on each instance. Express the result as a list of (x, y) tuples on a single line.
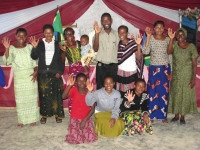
[(121, 104)]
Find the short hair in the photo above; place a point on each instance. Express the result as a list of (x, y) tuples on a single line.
[(140, 80), (47, 26), (68, 28), (123, 26), (108, 77), (158, 22), (21, 30), (105, 14), (85, 36), (81, 75)]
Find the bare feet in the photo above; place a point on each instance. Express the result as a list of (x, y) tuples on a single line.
[(165, 121), (152, 121), (20, 125), (33, 124)]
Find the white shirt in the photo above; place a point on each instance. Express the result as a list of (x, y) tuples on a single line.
[(129, 64), (49, 51)]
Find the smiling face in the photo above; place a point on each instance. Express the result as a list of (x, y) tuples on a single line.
[(84, 41), (140, 88), (180, 36), (81, 82), (48, 34), (159, 29), (109, 84), (122, 33), (106, 22), (69, 36), (21, 37)]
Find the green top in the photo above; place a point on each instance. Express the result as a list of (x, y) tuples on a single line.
[(74, 54)]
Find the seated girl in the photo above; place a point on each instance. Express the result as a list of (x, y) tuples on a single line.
[(134, 110), (80, 128), (107, 110)]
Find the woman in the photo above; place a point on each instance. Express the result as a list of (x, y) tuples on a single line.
[(128, 53), (51, 65), (159, 71), (72, 50), (182, 92), (24, 85)]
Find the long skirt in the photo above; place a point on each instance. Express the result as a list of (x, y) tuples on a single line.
[(134, 123), (102, 125), (125, 80), (158, 89), (50, 94), (26, 96), (77, 136)]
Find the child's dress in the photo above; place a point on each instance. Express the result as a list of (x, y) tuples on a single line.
[(132, 115), (78, 113)]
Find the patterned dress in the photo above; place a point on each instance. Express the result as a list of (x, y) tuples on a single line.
[(159, 74), (26, 95), (182, 97)]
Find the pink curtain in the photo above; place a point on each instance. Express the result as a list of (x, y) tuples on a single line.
[(175, 4), (69, 13), (7, 6)]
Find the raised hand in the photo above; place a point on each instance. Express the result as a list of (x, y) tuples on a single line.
[(71, 80), (130, 96), (33, 41), (6, 42), (96, 27), (171, 34), (138, 39), (148, 31), (90, 86), (63, 47)]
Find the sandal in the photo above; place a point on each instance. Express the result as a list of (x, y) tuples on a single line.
[(43, 120), (58, 120), (174, 119), (182, 122)]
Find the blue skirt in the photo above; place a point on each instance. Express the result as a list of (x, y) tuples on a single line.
[(158, 89)]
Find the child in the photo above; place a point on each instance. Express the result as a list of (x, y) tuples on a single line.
[(107, 110), (134, 110), (80, 128), (87, 54), (25, 86)]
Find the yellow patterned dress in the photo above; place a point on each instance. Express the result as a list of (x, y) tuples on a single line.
[(26, 95)]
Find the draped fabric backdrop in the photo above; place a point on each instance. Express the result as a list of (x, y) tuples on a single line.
[(136, 14)]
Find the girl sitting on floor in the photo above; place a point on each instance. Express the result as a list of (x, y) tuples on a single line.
[(134, 110), (80, 128), (107, 110)]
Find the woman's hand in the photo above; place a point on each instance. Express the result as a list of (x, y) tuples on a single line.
[(34, 74), (192, 83), (148, 31), (138, 39), (63, 47), (96, 27), (71, 80), (112, 122), (82, 124), (171, 34), (58, 75), (33, 41), (89, 86), (6, 42), (146, 118), (130, 96)]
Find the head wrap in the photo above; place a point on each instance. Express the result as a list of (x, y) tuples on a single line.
[(182, 29)]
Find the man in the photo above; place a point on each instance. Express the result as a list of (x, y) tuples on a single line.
[(105, 44)]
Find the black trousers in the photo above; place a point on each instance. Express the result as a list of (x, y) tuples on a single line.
[(103, 70)]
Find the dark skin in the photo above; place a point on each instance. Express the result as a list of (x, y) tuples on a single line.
[(106, 22), (48, 34), (180, 36), (21, 43), (82, 84)]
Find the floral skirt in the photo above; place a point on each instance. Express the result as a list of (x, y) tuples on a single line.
[(77, 136), (134, 123)]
